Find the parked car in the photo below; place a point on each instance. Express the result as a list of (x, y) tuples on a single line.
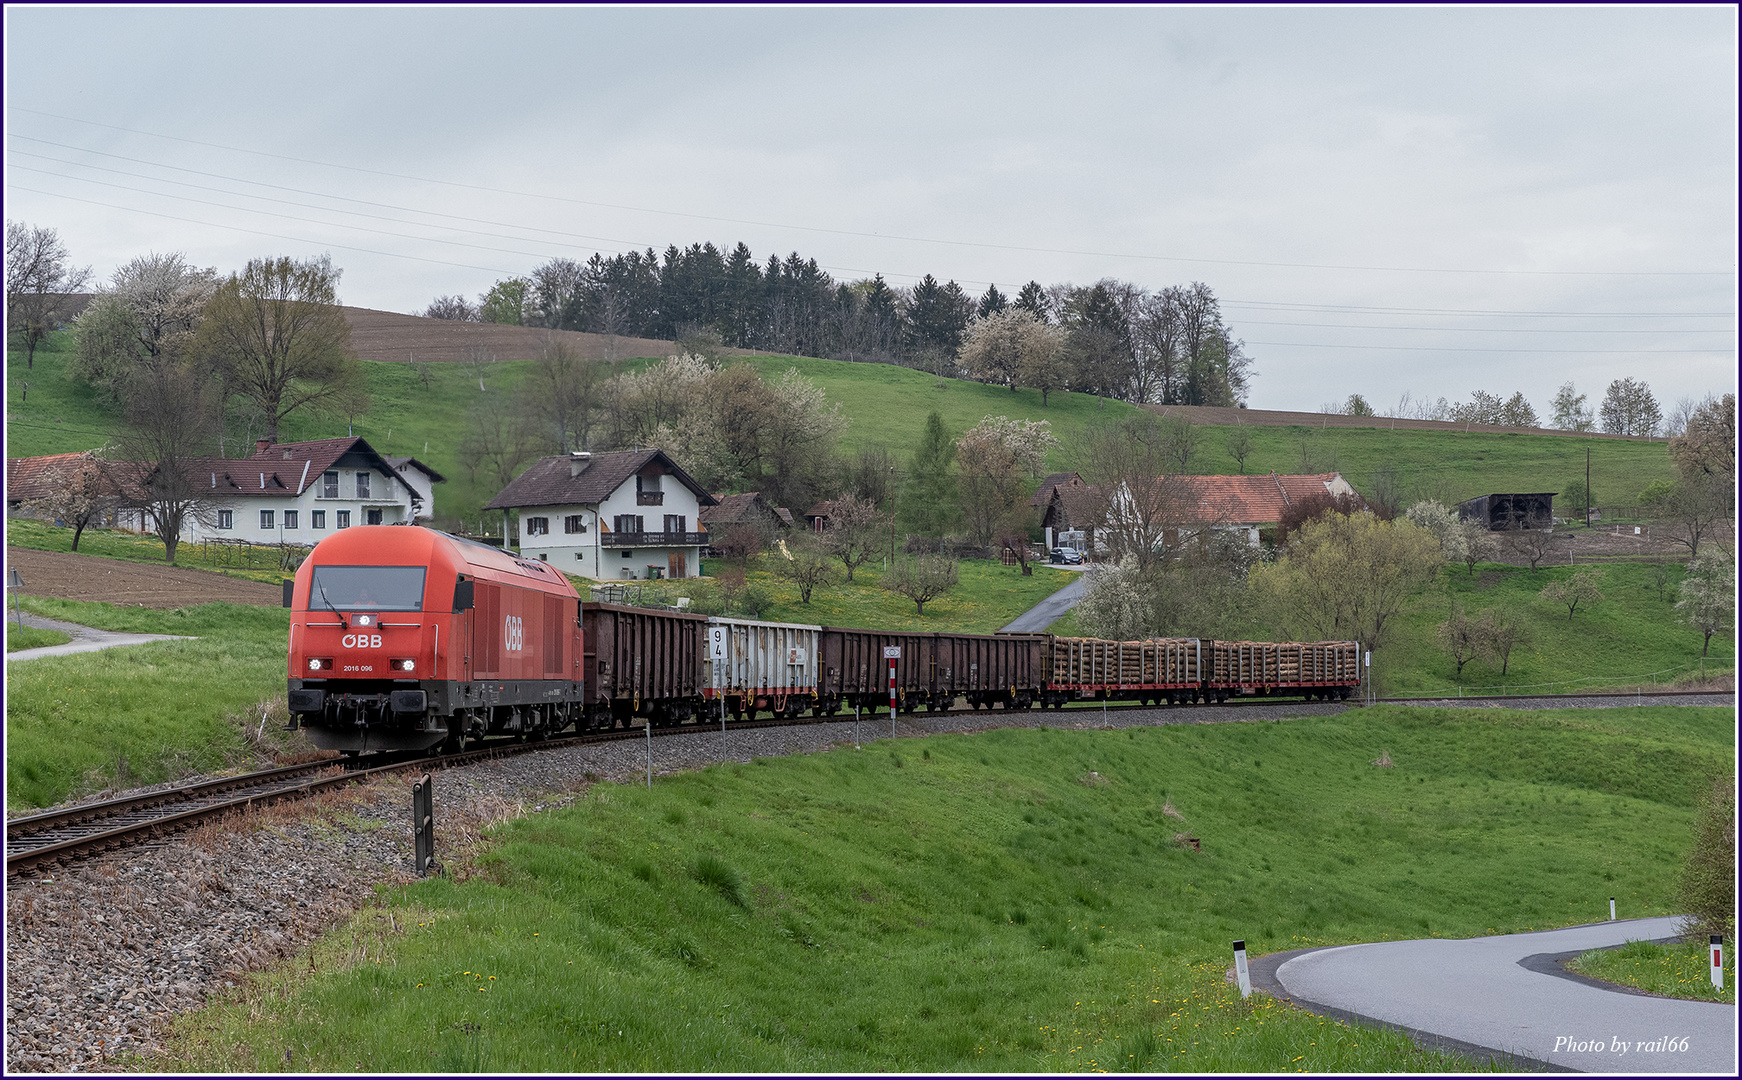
[(1067, 556)]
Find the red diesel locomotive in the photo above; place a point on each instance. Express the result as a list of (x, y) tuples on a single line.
[(403, 637)]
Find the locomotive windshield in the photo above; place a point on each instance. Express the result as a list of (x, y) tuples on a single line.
[(367, 588)]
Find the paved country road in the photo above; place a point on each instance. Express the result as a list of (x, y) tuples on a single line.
[(84, 639), (1050, 610), (1506, 996)]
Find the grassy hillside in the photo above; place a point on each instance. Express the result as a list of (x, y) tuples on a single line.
[(1633, 635), (889, 405), (1013, 901)]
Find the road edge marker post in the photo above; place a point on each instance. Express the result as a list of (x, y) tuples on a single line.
[(1718, 962), (1611, 909), (1240, 972), (649, 727)]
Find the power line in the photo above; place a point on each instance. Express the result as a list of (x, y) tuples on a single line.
[(1369, 309), (1479, 329), (1492, 350), (892, 236)]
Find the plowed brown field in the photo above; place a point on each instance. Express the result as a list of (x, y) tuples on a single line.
[(87, 577), (398, 339)]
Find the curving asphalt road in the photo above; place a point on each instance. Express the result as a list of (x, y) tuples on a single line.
[(1052, 609), (1507, 997)]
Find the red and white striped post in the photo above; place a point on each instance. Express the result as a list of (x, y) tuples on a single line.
[(892, 653), (1717, 961)]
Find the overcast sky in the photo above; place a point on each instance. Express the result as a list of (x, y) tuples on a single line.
[(1423, 200)]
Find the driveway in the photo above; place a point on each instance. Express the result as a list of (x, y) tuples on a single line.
[(1050, 610), (84, 639), (1507, 997)]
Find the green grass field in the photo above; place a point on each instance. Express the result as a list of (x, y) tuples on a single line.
[(145, 713), (1012, 901), (135, 547), (1680, 970), (1632, 637), (19, 638), (886, 405)]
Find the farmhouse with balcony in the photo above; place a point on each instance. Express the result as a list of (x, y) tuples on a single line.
[(625, 514), (292, 493), (1190, 504)]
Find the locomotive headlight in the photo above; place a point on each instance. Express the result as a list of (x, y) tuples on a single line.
[(402, 665), (314, 665)]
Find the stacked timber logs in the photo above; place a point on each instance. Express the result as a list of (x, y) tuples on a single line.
[(1093, 662), (1291, 663)]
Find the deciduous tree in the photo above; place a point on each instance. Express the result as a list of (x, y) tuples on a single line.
[(1707, 445), (276, 335), (1630, 409), (1460, 638), (453, 308), (79, 493), (1708, 595), (921, 578), (1348, 576), (40, 281), (171, 415), (1569, 411), (803, 561), (145, 320), (857, 532), (1239, 444), (997, 458), (1578, 588), (1499, 634)]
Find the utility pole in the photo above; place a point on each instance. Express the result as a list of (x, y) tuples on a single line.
[(1587, 485)]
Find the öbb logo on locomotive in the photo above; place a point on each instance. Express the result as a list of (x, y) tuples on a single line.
[(466, 663)]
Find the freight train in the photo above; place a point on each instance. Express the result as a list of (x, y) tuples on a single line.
[(404, 638)]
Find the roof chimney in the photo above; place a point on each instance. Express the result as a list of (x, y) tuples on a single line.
[(578, 461), (262, 445)]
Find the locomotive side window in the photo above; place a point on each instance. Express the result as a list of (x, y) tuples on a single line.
[(367, 588)]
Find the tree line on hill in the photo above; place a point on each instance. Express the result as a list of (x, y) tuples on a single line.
[(1628, 408), (1111, 338)]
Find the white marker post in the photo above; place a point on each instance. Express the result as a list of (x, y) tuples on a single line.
[(1240, 972), (1717, 961), (1611, 909), (649, 756), (856, 745), (717, 653), (892, 653)]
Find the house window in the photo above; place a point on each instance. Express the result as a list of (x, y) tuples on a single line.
[(362, 485), (290, 519), (574, 523), (632, 523), (373, 516), (330, 485), (674, 523), (266, 519), (343, 518), (226, 519), (317, 519), (537, 526)]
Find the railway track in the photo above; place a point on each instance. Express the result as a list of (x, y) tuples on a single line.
[(60, 836)]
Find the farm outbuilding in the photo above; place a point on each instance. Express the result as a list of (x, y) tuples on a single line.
[(1529, 510)]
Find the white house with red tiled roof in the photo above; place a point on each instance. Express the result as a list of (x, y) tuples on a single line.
[(292, 493), (1242, 504), (622, 514)]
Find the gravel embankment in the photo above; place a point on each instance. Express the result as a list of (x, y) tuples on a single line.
[(100, 955)]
